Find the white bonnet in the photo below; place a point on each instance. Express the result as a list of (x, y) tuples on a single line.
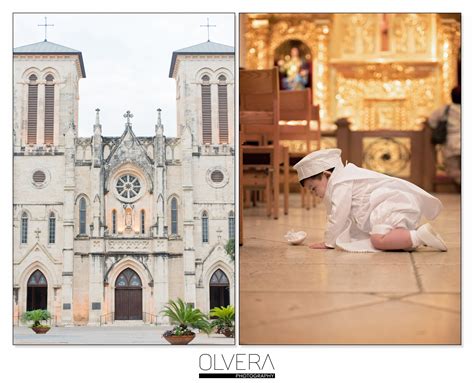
[(317, 162)]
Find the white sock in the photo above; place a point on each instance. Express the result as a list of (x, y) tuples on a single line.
[(415, 239)]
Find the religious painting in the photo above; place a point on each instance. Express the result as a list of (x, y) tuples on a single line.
[(293, 59)]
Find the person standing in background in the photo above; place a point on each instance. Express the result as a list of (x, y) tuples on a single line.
[(452, 147)]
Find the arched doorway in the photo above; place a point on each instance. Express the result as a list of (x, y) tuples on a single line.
[(37, 292), (219, 293), (128, 296)]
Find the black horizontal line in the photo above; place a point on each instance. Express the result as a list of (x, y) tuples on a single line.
[(252, 375)]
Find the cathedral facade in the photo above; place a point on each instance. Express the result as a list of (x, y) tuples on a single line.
[(111, 228)]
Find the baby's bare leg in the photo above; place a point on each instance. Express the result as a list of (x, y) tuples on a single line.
[(397, 239)]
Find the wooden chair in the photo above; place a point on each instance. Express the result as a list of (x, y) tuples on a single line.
[(259, 117), (258, 173), (296, 105)]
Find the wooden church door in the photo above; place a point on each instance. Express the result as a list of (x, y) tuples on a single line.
[(128, 296)]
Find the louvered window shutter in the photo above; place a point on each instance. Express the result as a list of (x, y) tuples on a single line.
[(49, 111), (32, 110), (223, 117), (206, 111)]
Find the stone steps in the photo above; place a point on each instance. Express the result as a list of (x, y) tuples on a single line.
[(128, 323)]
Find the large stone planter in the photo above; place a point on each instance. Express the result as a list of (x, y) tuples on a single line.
[(41, 329), (228, 332), (179, 339)]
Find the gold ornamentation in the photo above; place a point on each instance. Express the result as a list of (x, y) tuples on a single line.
[(299, 146), (385, 96), (448, 46), (381, 71), (358, 32), (264, 33), (390, 156), (412, 33)]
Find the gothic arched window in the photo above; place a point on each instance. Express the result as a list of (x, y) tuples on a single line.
[(82, 216), (52, 228), (206, 110), (231, 225), (32, 109), (24, 228), (128, 278), (205, 227), (174, 216), (114, 221), (49, 110), (223, 110), (142, 221)]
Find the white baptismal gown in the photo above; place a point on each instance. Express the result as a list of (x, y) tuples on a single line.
[(360, 202)]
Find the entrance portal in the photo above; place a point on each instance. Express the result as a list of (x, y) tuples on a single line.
[(37, 292), (219, 290), (128, 296)]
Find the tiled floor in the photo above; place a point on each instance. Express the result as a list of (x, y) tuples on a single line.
[(296, 295)]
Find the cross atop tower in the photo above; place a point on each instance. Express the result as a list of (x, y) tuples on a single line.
[(128, 116), (208, 26), (45, 25)]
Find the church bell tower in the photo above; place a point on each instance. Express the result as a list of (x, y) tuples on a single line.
[(46, 95)]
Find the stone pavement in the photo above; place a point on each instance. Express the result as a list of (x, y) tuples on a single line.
[(296, 295), (144, 334)]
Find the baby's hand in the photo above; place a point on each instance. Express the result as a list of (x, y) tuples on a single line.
[(319, 245)]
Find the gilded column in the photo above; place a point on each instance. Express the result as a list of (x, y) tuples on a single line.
[(448, 53)]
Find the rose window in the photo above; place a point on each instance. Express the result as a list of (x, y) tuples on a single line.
[(128, 186)]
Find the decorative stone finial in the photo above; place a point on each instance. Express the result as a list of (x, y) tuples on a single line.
[(97, 120), (158, 121), (128, 116)]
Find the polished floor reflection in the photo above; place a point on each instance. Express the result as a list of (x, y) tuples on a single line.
[(295, 295)]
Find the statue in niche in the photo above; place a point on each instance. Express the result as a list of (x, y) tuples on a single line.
[(293, 60), (128, 218)]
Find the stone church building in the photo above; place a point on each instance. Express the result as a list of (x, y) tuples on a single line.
[(111, 228)]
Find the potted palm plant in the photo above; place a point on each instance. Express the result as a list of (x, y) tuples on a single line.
[(37, 316), (224, 320), (184, 317)]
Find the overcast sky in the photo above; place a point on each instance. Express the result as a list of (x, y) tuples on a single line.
[(127, 60)]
